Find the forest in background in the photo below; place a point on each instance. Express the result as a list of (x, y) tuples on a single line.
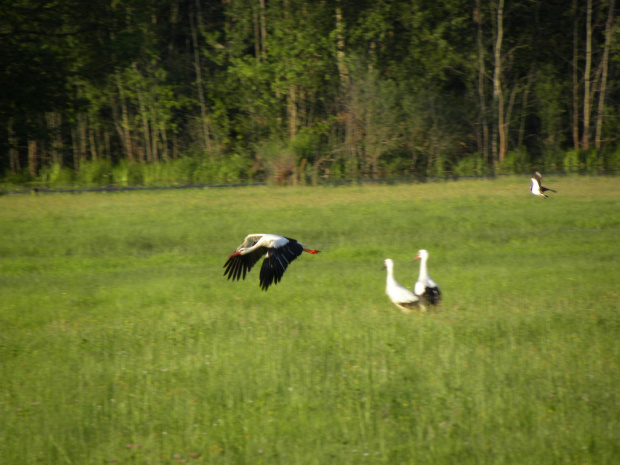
[(137, 92)]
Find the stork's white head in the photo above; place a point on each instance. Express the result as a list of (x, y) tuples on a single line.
[(422, 255), (388, 263)]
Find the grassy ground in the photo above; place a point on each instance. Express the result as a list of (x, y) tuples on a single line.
[(121, 341)]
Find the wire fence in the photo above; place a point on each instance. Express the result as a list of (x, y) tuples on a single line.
[(36, 188)]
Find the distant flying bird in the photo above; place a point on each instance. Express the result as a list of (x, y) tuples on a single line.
[(537, 187), (400, 296), (279, 251), (425, 288)]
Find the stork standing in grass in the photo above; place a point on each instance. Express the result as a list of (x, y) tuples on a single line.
[(425, 288), (279, 251), (537, 187), (400, 296)]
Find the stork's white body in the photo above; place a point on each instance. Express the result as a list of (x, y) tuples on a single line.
[(537, 188), (425, 288), (254, 241), (400, 296)]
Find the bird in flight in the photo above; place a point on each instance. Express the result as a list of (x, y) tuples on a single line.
[(279, 252), (537, 187)]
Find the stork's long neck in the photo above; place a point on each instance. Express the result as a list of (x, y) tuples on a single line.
[(423, 274), (390, 276), (247, 250)]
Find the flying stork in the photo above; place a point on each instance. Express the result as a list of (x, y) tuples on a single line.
[(279, 251), (537, 187)]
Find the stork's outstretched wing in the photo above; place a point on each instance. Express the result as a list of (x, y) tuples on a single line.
[(237, 266), (276, 262)]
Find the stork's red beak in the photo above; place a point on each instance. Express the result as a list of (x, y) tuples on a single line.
[(417, 258), (234, 254), (306, 249)]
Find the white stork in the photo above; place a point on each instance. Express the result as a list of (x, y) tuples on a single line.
[(402, 297), (425, 288), (537, 187), (279, 251)]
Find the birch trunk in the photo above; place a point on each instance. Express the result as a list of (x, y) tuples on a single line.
[(195, 22), (575, 118), (122, 121), (585, 141), (345, 92), (343, 72), (498, 97), (146, 131), (609, 32), (483, 143), (92, 139), (257, 54), (263, 30), (524, 104), (13, 152), (33, 157), (82, 143), (291, 105), (54, 121)]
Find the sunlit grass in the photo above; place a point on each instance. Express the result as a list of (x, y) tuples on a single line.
[(123, 342)]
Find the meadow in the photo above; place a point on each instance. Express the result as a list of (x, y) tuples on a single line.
[(122, 342)]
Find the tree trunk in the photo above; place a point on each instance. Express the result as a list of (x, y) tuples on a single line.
[(93, 143), (175, 146), (33, 157), (508, 117), (54, 121), (146, 131), (349, 136), (609, 31), (76, 148), (483, 143), (343, 72), (107, 144), (13, 152), (575, 118), (498, 97), (195, 23), (524, 103), (257, 54), (164, 144), (263, 30), (122, 121), (585, 141), (82, 144), (291, 105)]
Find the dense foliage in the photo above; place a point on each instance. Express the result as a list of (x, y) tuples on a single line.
[(136, 91)]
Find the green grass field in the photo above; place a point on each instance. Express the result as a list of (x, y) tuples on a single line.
[(122, 342)]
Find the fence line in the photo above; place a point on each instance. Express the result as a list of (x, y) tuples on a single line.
[(36, 188)]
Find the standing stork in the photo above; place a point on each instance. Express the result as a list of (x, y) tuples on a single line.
[(400, 296), (537, 187), (279, 251), (425, 287)]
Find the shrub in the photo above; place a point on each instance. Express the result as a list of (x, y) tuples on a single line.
[(571, 161), (95, 173), (470, 165), (56, 175), (515, 162)]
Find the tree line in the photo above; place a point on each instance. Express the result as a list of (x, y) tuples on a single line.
[(138, 91)]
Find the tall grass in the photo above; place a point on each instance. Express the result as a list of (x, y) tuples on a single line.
[(122, 342)]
